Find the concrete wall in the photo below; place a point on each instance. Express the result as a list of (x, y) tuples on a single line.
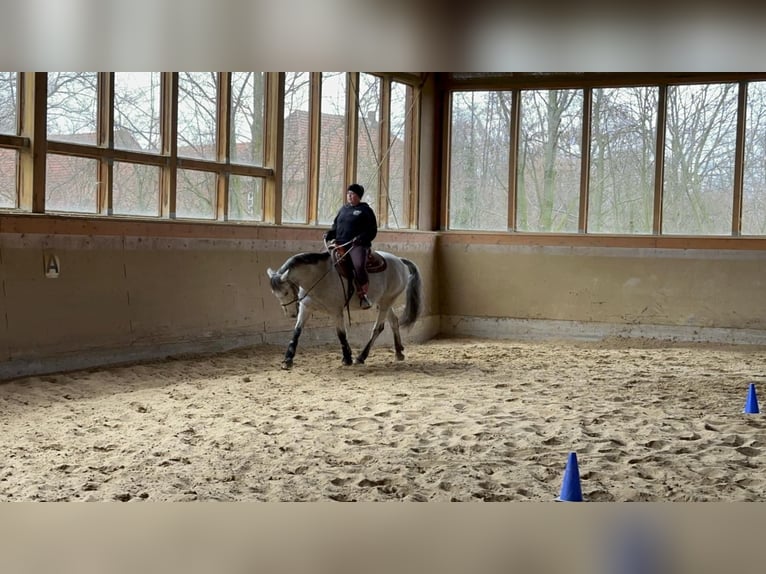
[(591, 291), (135, 290), (124, 297)]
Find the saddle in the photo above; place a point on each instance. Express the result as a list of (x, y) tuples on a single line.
[(374, 264)]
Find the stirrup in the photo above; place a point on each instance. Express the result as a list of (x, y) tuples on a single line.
[(364, 302)]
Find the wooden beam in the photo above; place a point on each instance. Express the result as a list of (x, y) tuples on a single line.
[(169, 129), (659, 160), (273, 146), (32, 160), (315, 127), (223, 145), (739, 161), (105, 139), (582, 219)]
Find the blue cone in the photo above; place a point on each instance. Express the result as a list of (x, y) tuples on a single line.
[(570, 486), (751, 406)]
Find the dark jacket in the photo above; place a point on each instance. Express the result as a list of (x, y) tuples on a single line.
[(354, 221)]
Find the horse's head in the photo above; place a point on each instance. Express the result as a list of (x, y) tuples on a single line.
[(285, 291)]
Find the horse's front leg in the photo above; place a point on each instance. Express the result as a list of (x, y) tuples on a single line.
[(340, 329), (292, 346), (377, 329)]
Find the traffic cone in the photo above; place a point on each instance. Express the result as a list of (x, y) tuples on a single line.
[(751, 406), (570, 486)]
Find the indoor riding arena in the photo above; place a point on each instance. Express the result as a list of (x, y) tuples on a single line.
[(591, 304)]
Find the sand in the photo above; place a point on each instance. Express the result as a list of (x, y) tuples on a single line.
[(458, 420)]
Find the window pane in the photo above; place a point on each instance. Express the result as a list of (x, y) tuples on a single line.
[(8, 161), (368, 142), (700, 140), (479, 147), (195, 195), (136, 189), (245, 198), (332, 146), (137, 111), (295, 168), (197, 113), (398, 159), (622, 160), (247, 93), (549, 161), (71, 184), (9, 90), (754, 198), (72, 98)]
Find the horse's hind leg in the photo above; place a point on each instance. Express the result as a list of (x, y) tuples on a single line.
[(377, 329), (393, 320), (340, 329)]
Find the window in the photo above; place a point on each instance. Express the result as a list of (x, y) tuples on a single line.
[(398, 156), (613, 188), (479, 169), (622, 160), (550, 159), (342, 127), (700, 143), (754, 193), (9, 97), (370, 129), (332, 146), (297, 142)]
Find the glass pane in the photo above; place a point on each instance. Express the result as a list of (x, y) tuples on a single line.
[(368, 141), (245, 198), (247, 105), (622, 160), (72, 98), (195, 194), (754, 197), (700, 140), (549, 161), (197, 114), (136, 189), (9, 90), (295, 167), (137, 111), (398, 158), (71, 184), (479, 148), (8, 160), (332, 146)]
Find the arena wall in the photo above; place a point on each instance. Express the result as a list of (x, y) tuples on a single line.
[(137, 291), (132, 291), (591, 288)]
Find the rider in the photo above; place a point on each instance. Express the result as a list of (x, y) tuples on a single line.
[(356, 224)]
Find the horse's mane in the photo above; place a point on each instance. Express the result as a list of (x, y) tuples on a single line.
[(304, 259)]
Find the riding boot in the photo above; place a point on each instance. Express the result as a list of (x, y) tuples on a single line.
[(364, 302)]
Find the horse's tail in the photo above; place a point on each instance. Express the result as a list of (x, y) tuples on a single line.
[(412, 307)]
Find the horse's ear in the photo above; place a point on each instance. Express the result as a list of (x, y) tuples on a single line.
[(283, 277), (270, 272)]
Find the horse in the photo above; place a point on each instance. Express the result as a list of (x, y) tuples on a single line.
[(309, 281)]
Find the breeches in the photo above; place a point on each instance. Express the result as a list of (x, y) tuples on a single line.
[(358, 257)]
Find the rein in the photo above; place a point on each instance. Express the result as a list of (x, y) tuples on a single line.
[(299, 299)]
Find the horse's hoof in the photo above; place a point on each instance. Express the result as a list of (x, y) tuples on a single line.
[(287, 366), (400, 356), (347, 362), (359, 361)]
